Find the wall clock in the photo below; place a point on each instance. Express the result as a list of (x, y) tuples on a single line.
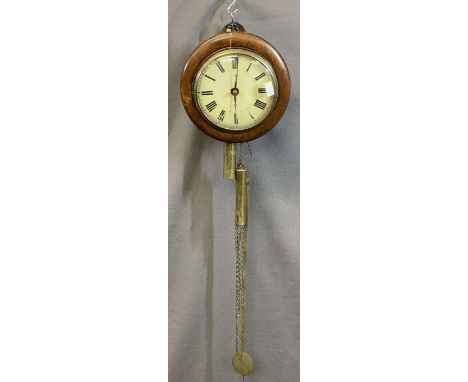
[(235, 88)]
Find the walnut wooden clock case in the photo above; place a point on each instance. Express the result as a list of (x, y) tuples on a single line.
[(234, 37)]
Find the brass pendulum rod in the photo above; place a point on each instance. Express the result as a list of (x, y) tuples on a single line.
[(241, 361)]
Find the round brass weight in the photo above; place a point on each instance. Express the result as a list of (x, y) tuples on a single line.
[(242, 363)]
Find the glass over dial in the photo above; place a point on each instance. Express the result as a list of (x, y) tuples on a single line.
[(236, 89)]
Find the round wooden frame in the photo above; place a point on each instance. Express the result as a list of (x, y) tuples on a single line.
[(219, 42)]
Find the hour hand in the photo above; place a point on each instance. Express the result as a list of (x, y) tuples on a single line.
[(234, 90)]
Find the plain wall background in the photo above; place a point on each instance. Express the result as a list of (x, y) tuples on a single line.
[(201, 216)]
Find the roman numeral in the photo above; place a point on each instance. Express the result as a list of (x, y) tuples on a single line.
[(212, 105), (207, 92), (262, 90), (260, 76), (260, 104), (211, 78), (235, 62), (236, 121), (221, 115), (249, 67), (220, 67)]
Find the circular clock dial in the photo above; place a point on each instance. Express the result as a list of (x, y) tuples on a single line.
[(236, 89)]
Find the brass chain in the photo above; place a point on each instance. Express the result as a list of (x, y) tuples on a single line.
[(241, 253)]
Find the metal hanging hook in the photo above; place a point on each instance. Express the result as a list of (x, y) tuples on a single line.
[(232, 8)]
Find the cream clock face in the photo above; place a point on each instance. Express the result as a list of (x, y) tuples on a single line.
[(236, 89)]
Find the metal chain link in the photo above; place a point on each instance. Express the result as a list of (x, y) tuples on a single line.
[(241, 253)]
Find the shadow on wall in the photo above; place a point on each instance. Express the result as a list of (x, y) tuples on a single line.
[(198, 187)]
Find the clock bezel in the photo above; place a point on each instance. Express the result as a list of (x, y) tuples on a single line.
[(247, 41), (242, 52)]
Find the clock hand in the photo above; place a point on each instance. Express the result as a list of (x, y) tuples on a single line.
[(235, 85), (235, 92), (235, 106)]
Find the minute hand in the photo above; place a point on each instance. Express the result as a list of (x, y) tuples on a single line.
[(235, 102), (235, 93)]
